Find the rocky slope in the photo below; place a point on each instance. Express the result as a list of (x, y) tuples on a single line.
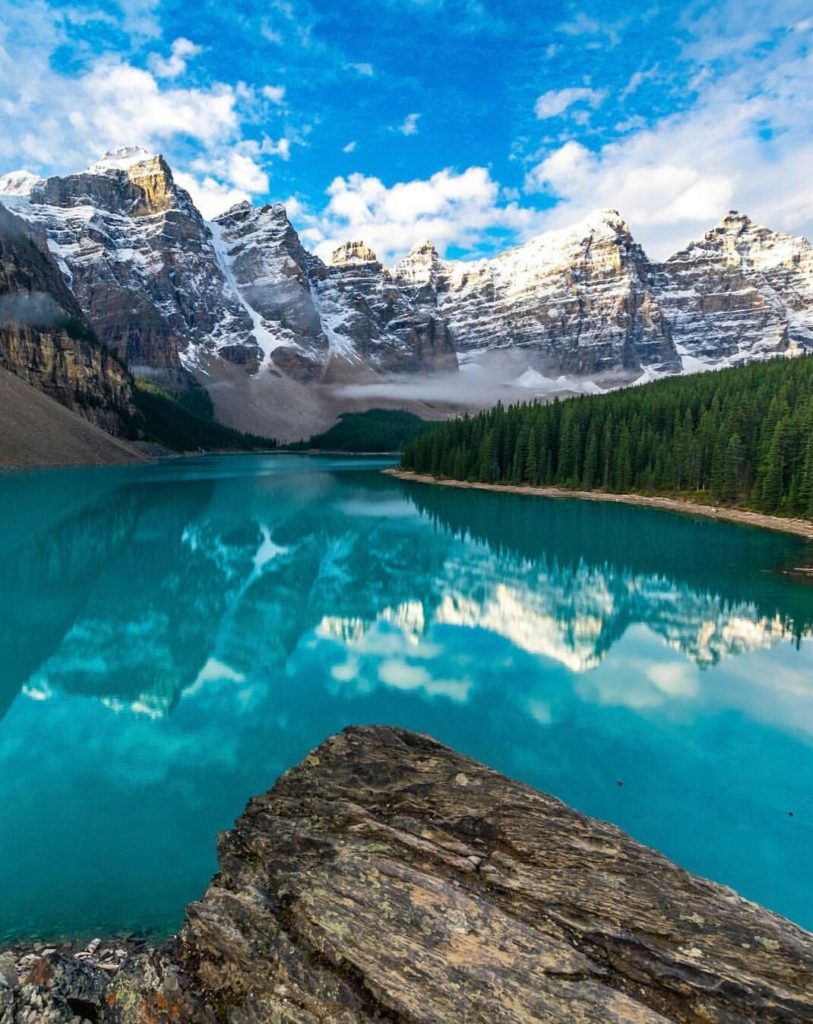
[(375, 321), (588, 301), (387, 878), (37, 431), (138, 257), (573, 302), (163, 289), (740, 292), (45, 338)]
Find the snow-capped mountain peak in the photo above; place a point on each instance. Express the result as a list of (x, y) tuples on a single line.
[(581, 304), (18, 183), (352, 252), (122, 159)]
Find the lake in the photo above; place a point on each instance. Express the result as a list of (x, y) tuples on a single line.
[(172, 637)]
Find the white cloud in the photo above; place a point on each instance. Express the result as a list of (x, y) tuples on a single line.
[(175, 64), (581, 25), (61, 122), (350, 147), (450, 208), (271, 35), (279, 147), (210, 195), (637, 79), (140, 18), (245, 173), (410, 125), (556, 101), (116, 102), (219, 181), (363, 68), (274, 93), (597, 33), (745, 143)]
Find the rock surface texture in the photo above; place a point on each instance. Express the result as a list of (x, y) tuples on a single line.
[(387, 878), (573, 302), (45, 338), (162, 289), (139, 258)]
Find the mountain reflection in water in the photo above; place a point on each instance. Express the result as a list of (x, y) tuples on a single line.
[(172, 637)]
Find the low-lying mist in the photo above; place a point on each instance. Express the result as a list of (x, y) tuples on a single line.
[(32, 309), (477, 384)]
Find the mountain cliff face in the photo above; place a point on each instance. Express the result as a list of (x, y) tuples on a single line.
[(315, 320), (740, 292), (138, 257), (574, 302), (164, 290), (377, 321), (44, 336)]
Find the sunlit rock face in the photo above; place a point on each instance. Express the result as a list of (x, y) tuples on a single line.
[(352, 253), (574, 301), (164, 289), (265, 264), (44, 336), (139, 259), (371, 319), (739, 292)]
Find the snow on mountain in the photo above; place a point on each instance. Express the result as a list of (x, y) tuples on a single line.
[(573, 301), (738, 293), (571, 310), (121, 159), (139, 258), (18, 183)]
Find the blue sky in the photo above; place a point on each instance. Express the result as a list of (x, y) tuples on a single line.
[(476, 123)]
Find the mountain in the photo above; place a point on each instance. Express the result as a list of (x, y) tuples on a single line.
[(138, 257), (45, 338), (285, 341), (310, 318), (572, 302), (37, 431), (739, 293)]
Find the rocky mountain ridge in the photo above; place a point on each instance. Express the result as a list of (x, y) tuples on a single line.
[(565, 311), (572, 302), (45, 338)]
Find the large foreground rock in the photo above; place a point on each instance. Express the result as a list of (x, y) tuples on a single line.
[(387, 878)]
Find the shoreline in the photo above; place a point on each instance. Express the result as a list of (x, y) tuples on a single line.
[(740, 517), (688, 942)]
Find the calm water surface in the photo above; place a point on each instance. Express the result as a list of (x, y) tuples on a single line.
[(173, 637)]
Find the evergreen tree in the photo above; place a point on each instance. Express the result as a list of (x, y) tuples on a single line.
[(743, 435)]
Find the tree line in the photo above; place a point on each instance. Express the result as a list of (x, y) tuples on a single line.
[(741, 436)]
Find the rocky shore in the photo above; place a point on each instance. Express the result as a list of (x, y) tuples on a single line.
[(741, 516), (388, 878)]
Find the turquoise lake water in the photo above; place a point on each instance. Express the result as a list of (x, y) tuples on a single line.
[(173, 637)]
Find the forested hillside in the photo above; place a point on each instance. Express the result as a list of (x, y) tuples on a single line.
[(742, 436), (377, 430)]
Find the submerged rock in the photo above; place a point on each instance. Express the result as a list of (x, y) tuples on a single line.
[(388, 878)]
